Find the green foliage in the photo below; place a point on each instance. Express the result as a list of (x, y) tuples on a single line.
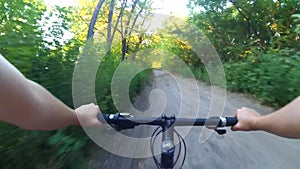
[(138, 82), (258, 42), (272, 77), (236, 26), (22, 42), (20, 35), (41, 149), (104, 78), (43, 55), (296, 18)]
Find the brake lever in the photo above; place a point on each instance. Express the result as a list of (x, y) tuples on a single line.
[(214, 123), (113, 118), (221, 130), (125, 115)]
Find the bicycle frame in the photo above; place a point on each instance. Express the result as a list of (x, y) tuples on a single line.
[(121, 121)]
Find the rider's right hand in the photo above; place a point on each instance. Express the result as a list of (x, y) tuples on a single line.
[(246, 119)]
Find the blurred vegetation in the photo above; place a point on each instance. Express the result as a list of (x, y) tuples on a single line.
[(237, 27), (36, 39), (258, 43), (272, 77)]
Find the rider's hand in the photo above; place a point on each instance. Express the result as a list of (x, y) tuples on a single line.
[(246, 119), (87, 115)]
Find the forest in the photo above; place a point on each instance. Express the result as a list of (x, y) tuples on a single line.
[(257, 42)]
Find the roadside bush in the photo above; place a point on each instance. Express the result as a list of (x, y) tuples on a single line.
[(273, 77), (64, 148)]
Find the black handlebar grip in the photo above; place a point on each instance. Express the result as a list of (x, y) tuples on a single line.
[(103, 116), (231, 121)]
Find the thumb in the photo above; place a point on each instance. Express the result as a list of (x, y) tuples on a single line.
[(97, 123), (236, 127)]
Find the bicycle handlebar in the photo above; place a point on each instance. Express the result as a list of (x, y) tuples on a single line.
[(231, 121), (122, 121)]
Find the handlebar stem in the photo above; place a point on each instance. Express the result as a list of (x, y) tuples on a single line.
[(168, 147)]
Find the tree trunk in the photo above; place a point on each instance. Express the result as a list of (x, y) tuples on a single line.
[(110, 16), (124, 48), (90, 34)]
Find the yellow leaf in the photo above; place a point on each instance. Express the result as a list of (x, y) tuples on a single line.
[(156, 64)]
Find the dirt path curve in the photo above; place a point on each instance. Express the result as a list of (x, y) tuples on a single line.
[(234, 150)]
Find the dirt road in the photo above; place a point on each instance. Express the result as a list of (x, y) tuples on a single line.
[(234, 150)]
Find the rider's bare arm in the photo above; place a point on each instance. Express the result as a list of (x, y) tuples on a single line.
[(283, 122), (28, 105)]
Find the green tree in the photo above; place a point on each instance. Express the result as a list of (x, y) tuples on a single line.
[(237, 26), (258, 42), (40, 56), (21, 36)]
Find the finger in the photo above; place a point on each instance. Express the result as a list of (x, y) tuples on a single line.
[(97, 124), (235, 127)]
